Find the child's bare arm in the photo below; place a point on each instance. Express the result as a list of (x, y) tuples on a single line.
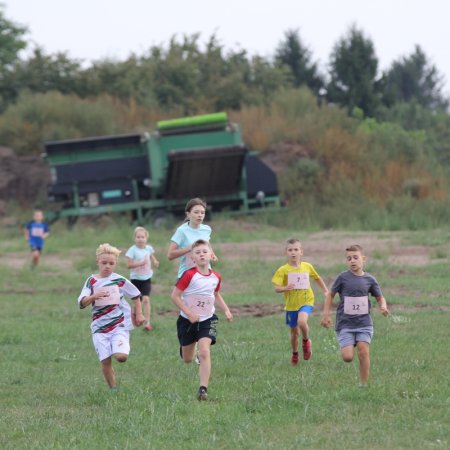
[(220, 302), (322, 285), (140, 319), (326, 318), (176, 298), (382, 305), (155, 262), (281, 289)]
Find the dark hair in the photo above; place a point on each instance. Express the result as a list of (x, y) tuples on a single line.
[(191, 203), (354, 248), (194, 202)]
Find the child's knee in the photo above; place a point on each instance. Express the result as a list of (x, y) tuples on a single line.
[(145, 300), (347, 354), (121, 357)]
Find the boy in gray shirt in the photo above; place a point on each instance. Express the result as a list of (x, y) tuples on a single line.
[(354, 326)]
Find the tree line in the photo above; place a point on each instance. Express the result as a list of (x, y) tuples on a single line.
[(189, 78)]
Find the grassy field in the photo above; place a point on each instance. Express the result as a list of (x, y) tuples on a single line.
[(53, 395)]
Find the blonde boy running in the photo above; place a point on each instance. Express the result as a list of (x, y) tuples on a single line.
[(293, 281), (111, 313)]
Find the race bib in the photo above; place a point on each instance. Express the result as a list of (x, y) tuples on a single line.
[(355, 306), (113, 297), (190, 263), (200, 304), (300, 280), (144, 269), (37, 232)]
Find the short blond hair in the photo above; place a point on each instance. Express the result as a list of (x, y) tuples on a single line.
[(107, 249), (137, 229)]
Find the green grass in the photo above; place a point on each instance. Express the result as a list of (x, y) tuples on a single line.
[(53, 396)]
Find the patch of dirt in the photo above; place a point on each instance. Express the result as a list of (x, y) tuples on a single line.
[(269, 309)]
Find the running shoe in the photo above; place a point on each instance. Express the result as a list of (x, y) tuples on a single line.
[(294, 359), (202, 394), (307, 349)]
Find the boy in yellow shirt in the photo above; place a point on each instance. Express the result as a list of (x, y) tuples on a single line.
[(293, 280)]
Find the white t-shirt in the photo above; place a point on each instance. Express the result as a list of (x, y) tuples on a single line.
[(138, 254)]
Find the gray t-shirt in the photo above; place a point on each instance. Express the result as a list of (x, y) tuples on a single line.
[(354, 287)]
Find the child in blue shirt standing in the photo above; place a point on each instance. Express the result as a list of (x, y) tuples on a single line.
[(36, 231)]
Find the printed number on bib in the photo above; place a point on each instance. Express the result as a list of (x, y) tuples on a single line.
[(355, 306), (299, 280), (200, 304), (112, 299)]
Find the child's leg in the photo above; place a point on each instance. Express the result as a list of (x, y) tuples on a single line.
[(364, 361), (204, 354), (188, 352), (108, 372), (347, 353), (303, 324), (120, 357), (35, 256), (295, 333), (146, 309)]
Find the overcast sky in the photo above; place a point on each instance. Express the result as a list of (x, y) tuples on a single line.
[(90, 30)]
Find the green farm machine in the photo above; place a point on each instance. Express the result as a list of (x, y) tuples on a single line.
[(155, 174)]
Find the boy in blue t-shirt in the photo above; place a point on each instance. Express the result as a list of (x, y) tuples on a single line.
[(36, 231), (354, 326)]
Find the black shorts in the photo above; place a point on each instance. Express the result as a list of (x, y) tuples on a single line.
[(144, 286), (188, 332)]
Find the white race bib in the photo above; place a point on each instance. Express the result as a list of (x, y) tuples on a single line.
[(144, 269), (112, 299), (355, 306), (190, 263), (200, 304), (300, 280), (37, 232)]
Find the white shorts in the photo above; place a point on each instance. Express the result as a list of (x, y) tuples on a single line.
[(107, 344)]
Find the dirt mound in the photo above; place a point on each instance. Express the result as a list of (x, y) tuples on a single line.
[(24, 179)]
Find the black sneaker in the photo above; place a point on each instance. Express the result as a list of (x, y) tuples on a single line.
[(202, 393)]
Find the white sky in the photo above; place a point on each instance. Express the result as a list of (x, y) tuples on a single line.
[(90, 30)]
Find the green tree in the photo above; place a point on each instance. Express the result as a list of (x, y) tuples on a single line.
[(11, 42), (292, 53), (414, 78), (353, 70)]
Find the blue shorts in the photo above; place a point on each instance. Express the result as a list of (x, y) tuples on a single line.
[(350, 337), (292, 316)]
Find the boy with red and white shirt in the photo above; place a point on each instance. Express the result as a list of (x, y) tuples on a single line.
[(196, 293), (111, 313)]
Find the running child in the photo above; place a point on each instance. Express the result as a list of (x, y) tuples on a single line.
[(354, 325), (36, 231), (111, 318), (186, 234), (196, 293), (293, 281), (141, 260)]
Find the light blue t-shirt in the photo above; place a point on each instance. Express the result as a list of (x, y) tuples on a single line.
[(185, 236), (138, 254)]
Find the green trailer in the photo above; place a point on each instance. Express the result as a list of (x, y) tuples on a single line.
[(157, 173)]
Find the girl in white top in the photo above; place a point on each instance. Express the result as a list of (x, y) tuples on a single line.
[(141, 260)]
